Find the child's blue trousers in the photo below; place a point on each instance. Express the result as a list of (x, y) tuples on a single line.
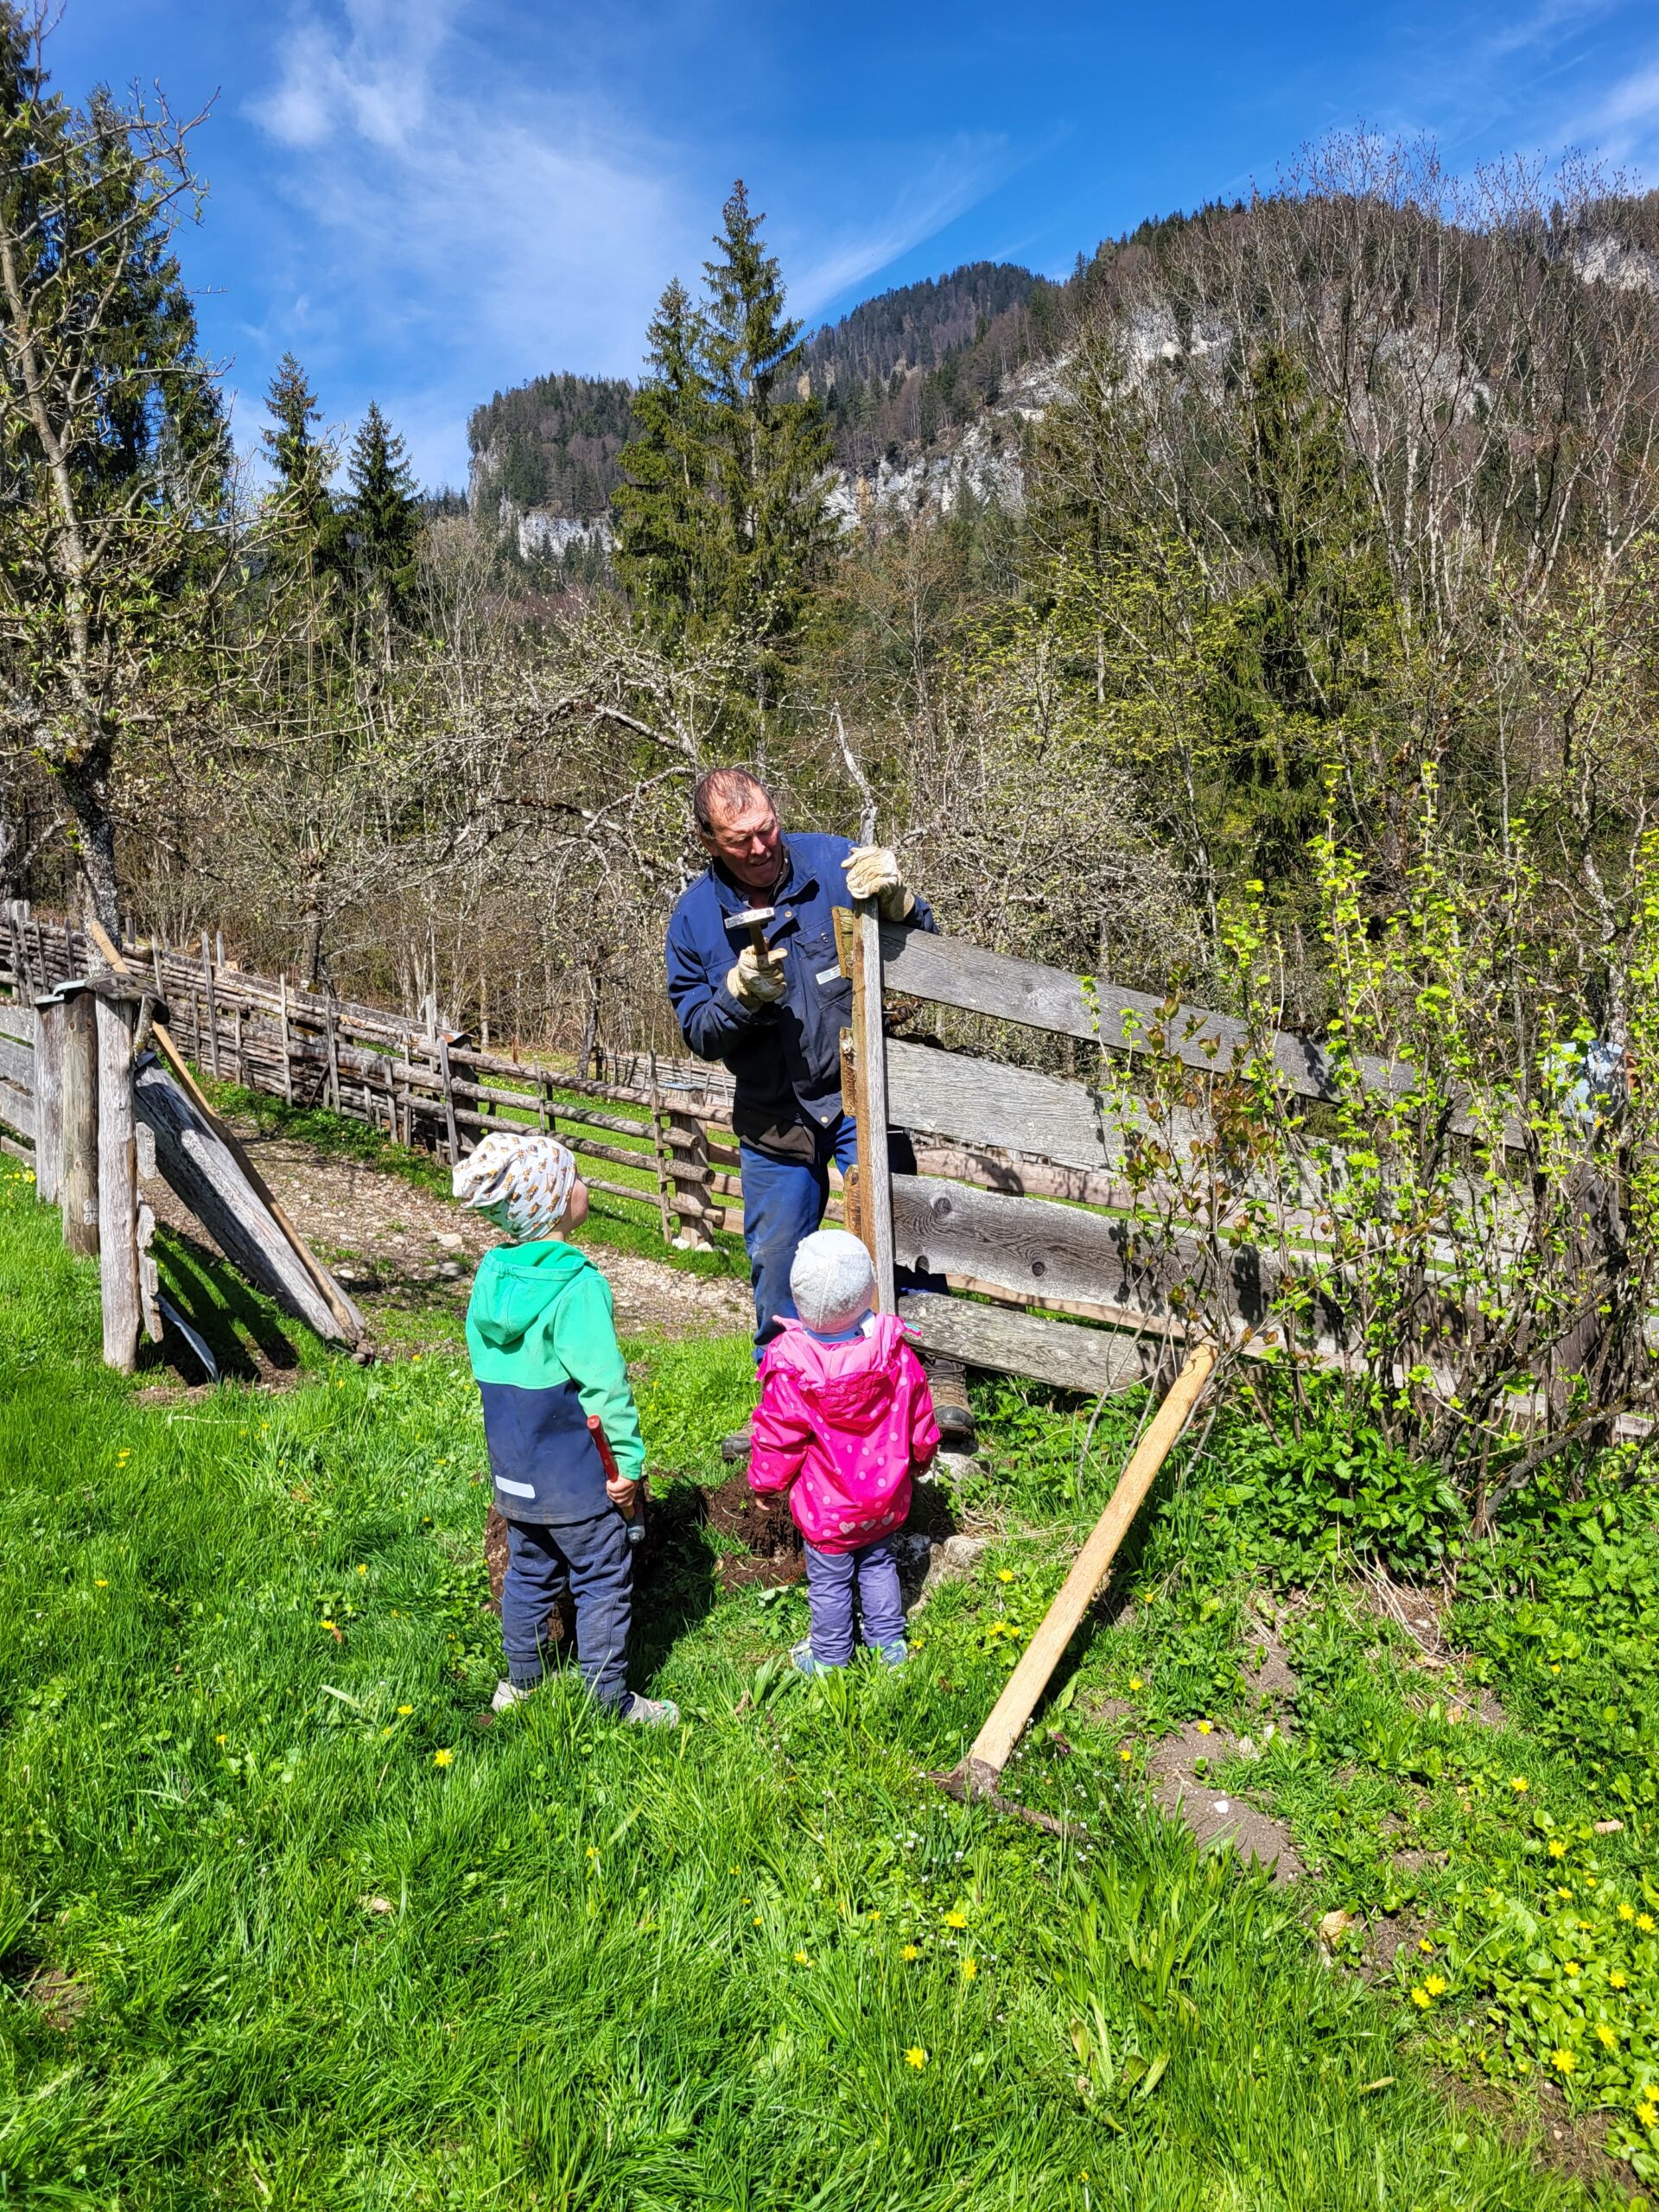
[(594, 1560), (831, 1580)]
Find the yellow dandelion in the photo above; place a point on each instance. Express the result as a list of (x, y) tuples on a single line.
[(1519, 1783), (1125, 1753), (221, 1739), (1644, 1921), (1203, 1727), (757, 1920), (405, 1710), (1648, 2114), (362, 1570), (1421, 1999), (1557, 1848), (1005, 1575), (1423, 1944), (100, 1583), (1617, 1980), (955, 1917), (1134, 1681), (1435, 1985), (1627, 1912), (1606, 2037), (593, 1852), (875, 1915), (443, 1759), (969, 1968), (1571, 1966), (916, 2057), (802, 1960), (1564, 2061), (910, 1954)]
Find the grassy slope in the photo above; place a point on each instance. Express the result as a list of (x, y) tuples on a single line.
[(617, 1968)]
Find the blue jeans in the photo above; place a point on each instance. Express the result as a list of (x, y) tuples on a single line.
[(831, 1579), (784, 1200), (595, 1559)]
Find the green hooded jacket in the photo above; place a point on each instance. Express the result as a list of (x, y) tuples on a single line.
[(545, 1354)]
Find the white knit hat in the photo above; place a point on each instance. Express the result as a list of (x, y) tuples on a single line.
[(831, 1281)]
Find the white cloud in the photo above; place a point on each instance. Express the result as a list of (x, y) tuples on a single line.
[(467, 231)]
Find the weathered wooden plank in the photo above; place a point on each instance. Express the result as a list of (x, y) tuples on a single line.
[(117, 1187), (197, 1164), (17, 1112), (1062, 1254), (17, 1021), (1014, 1110), (1095, 1361), (48, 1104)]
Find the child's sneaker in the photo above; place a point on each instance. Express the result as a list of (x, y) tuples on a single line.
[(894, 1654), (511, 1694), (803, 1663), (651, 1711)]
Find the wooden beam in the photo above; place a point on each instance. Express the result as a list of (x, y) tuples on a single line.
[(1097, 1362), (117, 1187), (1012, 1109), (48, 1105), (981, 1769), (78, 1192), (869, 1044)]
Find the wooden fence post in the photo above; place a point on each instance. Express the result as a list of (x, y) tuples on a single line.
[(48, 1101), (78, 1186), (658, 1151), (334, 1057), (212, 1010), (691, 1215), (448, 1100), (288, 1061), (870, 1050), (117, 1183)]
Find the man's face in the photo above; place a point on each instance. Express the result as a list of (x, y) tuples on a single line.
[(747, 840)]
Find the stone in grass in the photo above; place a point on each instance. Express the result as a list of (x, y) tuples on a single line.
[(447, 1240)]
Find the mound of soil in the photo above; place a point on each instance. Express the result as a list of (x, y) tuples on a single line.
[(776, 1555)]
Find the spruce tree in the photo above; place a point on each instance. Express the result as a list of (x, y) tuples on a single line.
[(382, 514), (303, 465), (667, 537), (769, 444)]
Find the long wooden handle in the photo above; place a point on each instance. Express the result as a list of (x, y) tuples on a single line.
[(991, 1749), (338, 1304)]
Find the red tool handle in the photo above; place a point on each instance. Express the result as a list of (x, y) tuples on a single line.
[(606, 1456)]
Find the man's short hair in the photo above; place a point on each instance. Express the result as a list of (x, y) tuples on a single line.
[(727, 789)]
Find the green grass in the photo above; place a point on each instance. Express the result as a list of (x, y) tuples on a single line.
[(332, 1943)]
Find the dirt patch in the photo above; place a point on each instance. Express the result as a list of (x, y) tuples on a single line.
[(57, 1997), (1182, 1769), (775, 1556), (1561, 2140)]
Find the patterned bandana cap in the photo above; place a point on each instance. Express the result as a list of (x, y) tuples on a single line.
[(521, 1184)]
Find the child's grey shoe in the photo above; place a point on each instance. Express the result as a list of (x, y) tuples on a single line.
[(511, 1694), (894, 1654), (651, 1711), (803, 1663)]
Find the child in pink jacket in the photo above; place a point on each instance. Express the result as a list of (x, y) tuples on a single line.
[(845, 1414)]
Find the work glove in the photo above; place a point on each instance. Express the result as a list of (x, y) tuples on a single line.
[(872, 873), (758, 978)]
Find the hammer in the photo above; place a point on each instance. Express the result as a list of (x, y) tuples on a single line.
[(754, 919)]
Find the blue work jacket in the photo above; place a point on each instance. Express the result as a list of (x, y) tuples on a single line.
[(785, 1058)]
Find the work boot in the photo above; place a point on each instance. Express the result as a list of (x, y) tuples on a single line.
[(651, 1712), (803, 1663), (735, 1448), (509, 1694)]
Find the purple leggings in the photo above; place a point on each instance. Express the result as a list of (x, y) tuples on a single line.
[(831, 1579)]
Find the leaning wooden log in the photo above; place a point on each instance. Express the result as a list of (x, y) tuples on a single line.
[(117, 1185), (196, 1164)]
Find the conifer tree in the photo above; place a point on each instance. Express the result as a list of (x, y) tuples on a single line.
[(666, 539), (382, 513), (769, 444), (303, 463)]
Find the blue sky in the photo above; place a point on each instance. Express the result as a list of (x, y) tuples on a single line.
[(431, 200)]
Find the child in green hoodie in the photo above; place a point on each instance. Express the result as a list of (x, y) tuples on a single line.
[(545, 1357)]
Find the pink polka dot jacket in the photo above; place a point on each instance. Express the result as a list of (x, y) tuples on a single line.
[(841, 1427)]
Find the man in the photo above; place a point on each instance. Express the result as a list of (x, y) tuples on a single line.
[(775, 1018)]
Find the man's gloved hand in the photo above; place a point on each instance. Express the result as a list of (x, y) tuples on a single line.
[(872, 873), (758, 979)]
